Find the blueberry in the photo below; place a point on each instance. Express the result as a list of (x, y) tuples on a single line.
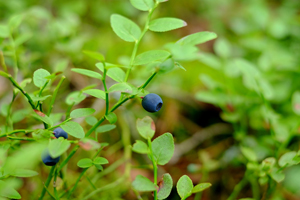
[(48, 160), (152, 102), (59, 132)]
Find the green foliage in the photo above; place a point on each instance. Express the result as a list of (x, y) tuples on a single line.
[(74, 129), (58, 147), (145, 127), (163, 148), (143, 184)]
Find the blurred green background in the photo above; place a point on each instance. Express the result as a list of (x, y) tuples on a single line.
[(240, 91)]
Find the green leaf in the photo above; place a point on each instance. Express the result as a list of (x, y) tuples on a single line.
[(184, 186), (111, 117), (166, 24), (287, 159), (75, 98), (82, 112), (15, 21), (145, 127), (100, 161), (200, 187), (95, 55), (99, 167), (35, 98), (42, 117), (24, 173), (222, 48), (95, 93), (74, 129), (39, 77), (277, 175), (115, 73), (179, 65), (143, 184), (165, 187), (151, 56), (87, 72), (7, 191), (58, 146), (42, 134), (163, 148), (85, 163), (120, 87), (140, 147), (249, 154), (125, 28), (197, 38), (143, 5), (91, 120), (105, 128)]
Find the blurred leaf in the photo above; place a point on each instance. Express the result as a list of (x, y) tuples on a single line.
[(87, 72), (125, 28), (111, 117), (24, 173), (165, 187), (145, 127), (7, 191), (100, 161), (143, 5), (89, 144), (120, 87), (184, 186), (95, 55), (143, 184), (140, 147), (277, 175), (4, 31), (197, 38), (15, 21), (287, 159), (105, 128), (163, 148), (58, 146), (82, 112), (296, 102), (200, 187), (42, 98), (166, 24), (249, 154), (74, 129), (95, 93), (91, 120), (151, 56), (222, 48), (39, 77), (85, 163), (75, 98)]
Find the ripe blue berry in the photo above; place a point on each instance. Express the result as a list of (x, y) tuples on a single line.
[(48, 160), (59, 132), (152, 102)]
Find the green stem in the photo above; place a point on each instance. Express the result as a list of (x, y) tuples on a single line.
[(55, 94), (77, 181), (58, 125), (8, 122), (2, 62), (105, 88), (54, 185), (238, 188), (40, 94), (68, 158), (47, 182), (18, 138), (17, 131), (154, 166), (255, 188), (22, 91), (137, 42)]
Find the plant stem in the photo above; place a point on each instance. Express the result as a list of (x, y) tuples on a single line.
[(68, 158), (21, 90), (154, 167), (137, 42), (54, 185), (8, 122), (16, 131), (2, 62), (58, 125), (18, 138), (238, 188), (78, 179), (55, 94), (105, 88), (47, 182)]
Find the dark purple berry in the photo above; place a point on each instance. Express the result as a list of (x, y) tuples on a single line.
[(59, 132), (48, 160), (152, 102)]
